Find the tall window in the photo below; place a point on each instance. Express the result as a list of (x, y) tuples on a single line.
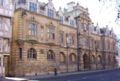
[(84, 26), (50, 55), (0, 61), (21, 1), (61, 39), (72, 23), (72, 58), (50, 13), (33, 29), (33, 7), (32, 54), (5, 45), (61, 19), (42, 32), (1, 43), (51, 33), (67, 39), (20, 53), (1, 2), (71, 39), (0, 23)]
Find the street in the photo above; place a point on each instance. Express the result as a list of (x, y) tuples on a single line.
[(113, 75)]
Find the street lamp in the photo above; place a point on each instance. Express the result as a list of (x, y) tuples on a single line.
[(78, 49), (96, 55), (67, 46)]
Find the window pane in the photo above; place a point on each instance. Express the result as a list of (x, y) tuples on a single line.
[(1, 2), (33, 29), (32, 54), (21, 1), (33, 7), (50, 13), (20, 53), (0, 61)]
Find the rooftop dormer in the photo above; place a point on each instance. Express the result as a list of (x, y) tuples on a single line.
[(31, 5), (70, 5), (61, 15), (50, 9)]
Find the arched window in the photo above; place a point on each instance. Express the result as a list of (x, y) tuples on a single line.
[(62, 57), (93, 59), (32, 54), (72, 58), (109, 59), (50, 55), (86, 61), (114, 59), (99, 59)]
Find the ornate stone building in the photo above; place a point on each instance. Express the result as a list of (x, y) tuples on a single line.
[(41, 41), (45, 40), (96, 47), (6, 12)]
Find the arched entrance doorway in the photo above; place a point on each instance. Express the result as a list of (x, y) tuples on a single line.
[(99, 62), (72, 58), (86, 61)]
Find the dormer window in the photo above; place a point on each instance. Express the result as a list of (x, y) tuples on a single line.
[(72, 23), (61, 19), (21, 1), (95, 28), (50, 13), (33, 7)]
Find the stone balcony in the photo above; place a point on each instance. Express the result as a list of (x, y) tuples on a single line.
[(50, 42), (5, 53), (32, 38)]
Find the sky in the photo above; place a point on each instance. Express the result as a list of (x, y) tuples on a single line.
[(100, 12)]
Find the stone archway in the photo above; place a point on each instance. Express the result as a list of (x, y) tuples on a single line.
[(62, 58), (86, 62), (93, 62), (72, 58), (99, 58)]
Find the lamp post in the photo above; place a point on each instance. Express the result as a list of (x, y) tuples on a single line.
[(96, 55), (103, 54), (78, 49), (89, 45), (67, 39)]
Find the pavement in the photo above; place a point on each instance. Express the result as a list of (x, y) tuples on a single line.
[(73, 76), (109, 75), (64, 74)]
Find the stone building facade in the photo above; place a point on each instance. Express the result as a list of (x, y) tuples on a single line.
[(6, 13), (45, 40)]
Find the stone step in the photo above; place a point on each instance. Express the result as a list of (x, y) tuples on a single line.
[(16, 79)]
